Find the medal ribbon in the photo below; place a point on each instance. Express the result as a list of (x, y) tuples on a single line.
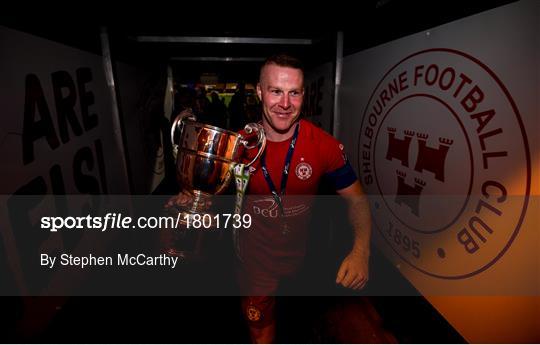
[(241, 179), (284, 174)]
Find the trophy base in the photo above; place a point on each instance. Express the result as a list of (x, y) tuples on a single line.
[(184, 256), (196, 238)]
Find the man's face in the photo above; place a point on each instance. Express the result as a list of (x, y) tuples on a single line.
[(281, 91)]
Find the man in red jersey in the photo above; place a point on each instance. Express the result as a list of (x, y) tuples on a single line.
[(298, 156)]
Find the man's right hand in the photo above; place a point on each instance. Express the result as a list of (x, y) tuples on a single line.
[(168, 236), (179, 200), (184, 199)]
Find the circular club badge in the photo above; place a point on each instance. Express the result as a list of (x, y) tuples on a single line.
[(444, 155), (303, 171)]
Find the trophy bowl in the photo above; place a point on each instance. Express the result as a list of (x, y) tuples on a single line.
[(205, 158)]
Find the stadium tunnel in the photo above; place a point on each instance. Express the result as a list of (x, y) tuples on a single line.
[(147, 66)]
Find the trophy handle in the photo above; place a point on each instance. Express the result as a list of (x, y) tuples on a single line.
[(179, 124), (261, 140)]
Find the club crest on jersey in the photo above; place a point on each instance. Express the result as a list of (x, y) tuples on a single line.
[(303, 170)]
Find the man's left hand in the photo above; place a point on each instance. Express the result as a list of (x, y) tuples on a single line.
[(354, 271)]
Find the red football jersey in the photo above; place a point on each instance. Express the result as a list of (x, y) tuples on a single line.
[(267, 249)]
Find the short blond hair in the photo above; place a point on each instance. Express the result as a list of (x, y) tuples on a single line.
[(283, 60)]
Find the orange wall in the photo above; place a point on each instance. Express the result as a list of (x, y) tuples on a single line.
[(501, 319), (492, 319)]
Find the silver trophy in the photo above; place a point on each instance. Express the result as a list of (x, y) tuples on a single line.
[(205, 159)]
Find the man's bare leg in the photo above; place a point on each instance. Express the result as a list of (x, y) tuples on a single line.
[(263, 335)]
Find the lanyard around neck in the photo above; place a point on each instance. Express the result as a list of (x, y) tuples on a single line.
[(284, 174)]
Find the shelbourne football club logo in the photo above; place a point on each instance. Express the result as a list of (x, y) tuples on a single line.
[(444, 155), (303, 170)]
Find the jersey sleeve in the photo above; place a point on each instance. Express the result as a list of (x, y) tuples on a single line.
[(339, 172)]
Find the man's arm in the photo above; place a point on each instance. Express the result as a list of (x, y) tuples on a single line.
[(354, 270)]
